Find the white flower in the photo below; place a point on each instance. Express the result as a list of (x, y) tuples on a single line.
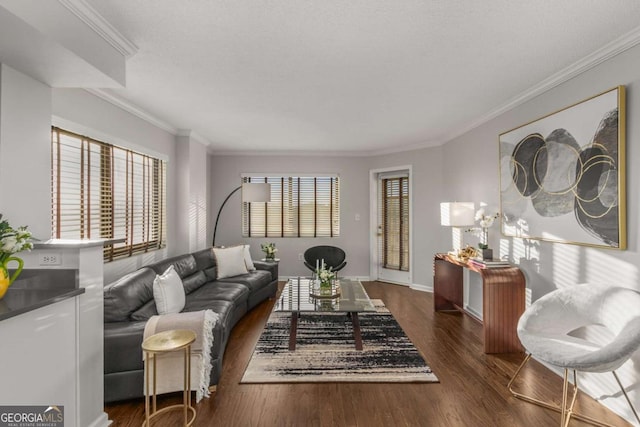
[(325, 275), (8, 244), (13, 240), (269, 248), (486, 222)]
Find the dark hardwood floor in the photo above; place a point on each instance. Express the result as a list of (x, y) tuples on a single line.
[(472, 389)]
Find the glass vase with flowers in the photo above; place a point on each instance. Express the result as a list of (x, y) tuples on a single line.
[(324, 281), (269, 250)]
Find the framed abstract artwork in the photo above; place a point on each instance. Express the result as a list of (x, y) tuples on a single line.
[(562, 177)]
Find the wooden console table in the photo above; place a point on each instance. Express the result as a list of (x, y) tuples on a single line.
[(503, 300)]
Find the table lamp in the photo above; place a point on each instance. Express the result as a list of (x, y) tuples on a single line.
[(457, 214)]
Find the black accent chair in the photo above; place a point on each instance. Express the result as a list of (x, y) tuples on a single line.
[(333, 257)]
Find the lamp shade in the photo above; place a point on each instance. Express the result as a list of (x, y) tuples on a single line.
[(256, 192), (457, 214)]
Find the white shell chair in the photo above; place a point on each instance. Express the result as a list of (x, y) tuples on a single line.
[(545, 327)]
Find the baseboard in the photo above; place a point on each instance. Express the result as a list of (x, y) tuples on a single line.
[(473, 312), (391, 282), (422, 288), (102, 421)]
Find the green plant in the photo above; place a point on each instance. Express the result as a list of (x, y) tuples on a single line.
[(269, 249), (13, 240)]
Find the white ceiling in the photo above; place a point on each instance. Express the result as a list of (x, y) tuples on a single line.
[(352, 76)]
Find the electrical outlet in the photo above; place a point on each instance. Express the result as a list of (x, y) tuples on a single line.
[(300, 257), (50, 258)]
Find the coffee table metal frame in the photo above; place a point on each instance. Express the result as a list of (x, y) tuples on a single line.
[(296, 298)]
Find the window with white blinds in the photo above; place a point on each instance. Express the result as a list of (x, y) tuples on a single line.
[(300, 206), (101, 191), (394, 211)]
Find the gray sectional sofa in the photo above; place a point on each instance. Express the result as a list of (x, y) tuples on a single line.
[(129, 303)]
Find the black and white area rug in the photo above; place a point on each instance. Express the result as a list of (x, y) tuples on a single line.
[(325, 351)]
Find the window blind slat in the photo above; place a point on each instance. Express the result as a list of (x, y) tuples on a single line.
[(101, 190), (395, 223), (299, 207)]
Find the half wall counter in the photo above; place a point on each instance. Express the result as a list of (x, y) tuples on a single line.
[(51, 332), (36, 288)]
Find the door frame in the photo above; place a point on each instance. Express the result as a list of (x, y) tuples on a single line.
[(373, 219)]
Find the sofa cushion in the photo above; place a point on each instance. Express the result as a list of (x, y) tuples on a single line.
[(122, 346), (193, 282), (146, 311), (124, 296), (233, 292), (206, 262), (168, 292), (254, 280), (230, 261), (185, 265), (221, 307)]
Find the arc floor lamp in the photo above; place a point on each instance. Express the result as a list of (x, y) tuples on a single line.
[(251, 193)]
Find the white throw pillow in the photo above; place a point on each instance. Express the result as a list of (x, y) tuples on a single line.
[(168, 292), (230, 261), (247, 259)]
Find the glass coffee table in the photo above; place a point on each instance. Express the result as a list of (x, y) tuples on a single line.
[(296, 298)]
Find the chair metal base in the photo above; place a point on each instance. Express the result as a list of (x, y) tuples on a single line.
[(566, 410)]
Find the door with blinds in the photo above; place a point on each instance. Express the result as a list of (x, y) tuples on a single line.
[(394, 227)]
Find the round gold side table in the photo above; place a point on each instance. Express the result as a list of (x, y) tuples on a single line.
[(166, 342)]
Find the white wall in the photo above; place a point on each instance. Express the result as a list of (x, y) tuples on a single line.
[(79, 111), (225, 175), (471, 174), (225, 172), (25, 147), (73, 366), (191, 176), (428, 191)]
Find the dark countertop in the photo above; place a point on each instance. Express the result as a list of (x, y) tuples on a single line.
[(38, 288)]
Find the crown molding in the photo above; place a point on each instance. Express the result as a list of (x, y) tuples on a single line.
[(412, 147), (101, 26), (194, 136), (608, 51), (133, 109), (288, 153)]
